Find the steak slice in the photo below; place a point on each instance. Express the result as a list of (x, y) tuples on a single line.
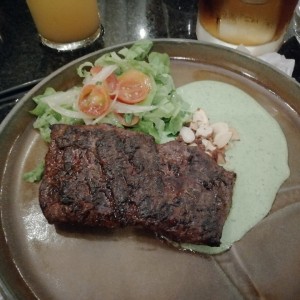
[(111, 177)]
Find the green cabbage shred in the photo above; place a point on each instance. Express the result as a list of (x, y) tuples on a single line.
[(163, 123)]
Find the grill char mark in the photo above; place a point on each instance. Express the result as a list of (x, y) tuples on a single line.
[(110, 177)]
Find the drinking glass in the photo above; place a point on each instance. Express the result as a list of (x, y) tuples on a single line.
[(259, 25), (296, 24), (66, 24)]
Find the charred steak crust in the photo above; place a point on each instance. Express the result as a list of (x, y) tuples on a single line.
[(110, 177)]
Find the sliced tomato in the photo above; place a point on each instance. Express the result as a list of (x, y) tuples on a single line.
[(94, 100), (95, 70), (133, 86), (111, 82)]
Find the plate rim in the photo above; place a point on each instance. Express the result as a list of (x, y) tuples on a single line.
[(246, 56), (5, 288)]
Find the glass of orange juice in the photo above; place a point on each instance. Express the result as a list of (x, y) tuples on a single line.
[(66, 24)]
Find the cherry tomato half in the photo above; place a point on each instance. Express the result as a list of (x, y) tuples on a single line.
[(111, 82), (95, 70), (133, 87), (94, 100)]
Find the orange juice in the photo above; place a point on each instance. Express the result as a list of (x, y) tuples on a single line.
[(65, 21)]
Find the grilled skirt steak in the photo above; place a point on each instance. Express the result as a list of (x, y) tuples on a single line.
[(111, 177)]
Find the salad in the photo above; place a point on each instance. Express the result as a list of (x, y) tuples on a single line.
[(132, 88)]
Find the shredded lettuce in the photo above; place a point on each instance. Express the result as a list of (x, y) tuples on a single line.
[(138, 51), (36, 174), (172, 112), (47, 116), (163, 121)]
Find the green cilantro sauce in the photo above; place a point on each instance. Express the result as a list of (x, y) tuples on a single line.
[(259, 158)]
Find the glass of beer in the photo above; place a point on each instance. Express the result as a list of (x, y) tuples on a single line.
[(66, 24), (259, 25)]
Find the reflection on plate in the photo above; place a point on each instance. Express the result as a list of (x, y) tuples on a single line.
[(38, 260)]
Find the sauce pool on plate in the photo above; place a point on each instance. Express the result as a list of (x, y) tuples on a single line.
[(260, 158)]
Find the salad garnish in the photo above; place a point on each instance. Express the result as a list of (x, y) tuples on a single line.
[(130, 88)]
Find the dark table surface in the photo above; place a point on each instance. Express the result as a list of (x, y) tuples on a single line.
[(23, 59)]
